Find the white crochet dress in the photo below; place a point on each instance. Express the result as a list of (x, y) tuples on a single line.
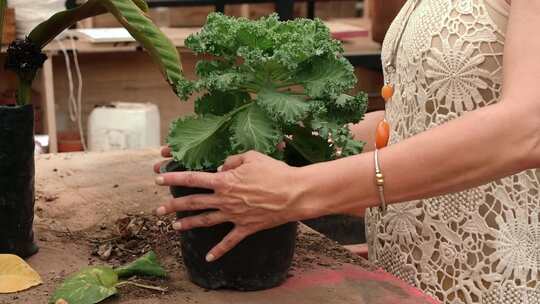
[(480, 245)]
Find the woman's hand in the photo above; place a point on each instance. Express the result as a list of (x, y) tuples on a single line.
[(253, 191)]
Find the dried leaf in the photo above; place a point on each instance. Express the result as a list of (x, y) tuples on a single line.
[(16, 275)]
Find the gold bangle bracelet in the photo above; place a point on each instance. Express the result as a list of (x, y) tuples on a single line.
[(379, 181)]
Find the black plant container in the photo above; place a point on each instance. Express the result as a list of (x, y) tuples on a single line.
[(260, 261), (344, 229), (17, 180)]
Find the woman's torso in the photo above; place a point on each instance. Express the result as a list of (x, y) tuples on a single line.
[(476, 246)]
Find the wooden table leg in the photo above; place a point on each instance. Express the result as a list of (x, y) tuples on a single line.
[(49, 107)]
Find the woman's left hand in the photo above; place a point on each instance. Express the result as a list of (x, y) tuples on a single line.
[(252, 190)]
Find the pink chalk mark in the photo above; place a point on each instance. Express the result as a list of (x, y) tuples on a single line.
[(328, 277)]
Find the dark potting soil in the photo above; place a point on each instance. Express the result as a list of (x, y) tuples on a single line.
[(17, 180)]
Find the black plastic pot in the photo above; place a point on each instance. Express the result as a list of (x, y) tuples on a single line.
[(260, 261), (17, 180), (344, 229)]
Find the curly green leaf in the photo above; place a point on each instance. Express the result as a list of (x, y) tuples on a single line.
[(199, 143), (312, 148), (326, 76), (252, 130), (283, 106), (220, 103)]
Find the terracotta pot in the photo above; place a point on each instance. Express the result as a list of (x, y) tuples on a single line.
[(69, 142)]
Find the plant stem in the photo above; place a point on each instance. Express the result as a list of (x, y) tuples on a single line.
[(24, 93), (3, 5), (156, 288)]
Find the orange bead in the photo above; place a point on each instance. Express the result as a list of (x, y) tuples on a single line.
[(387, 92), (383, 134)]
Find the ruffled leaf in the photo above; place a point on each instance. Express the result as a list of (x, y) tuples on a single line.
[(282, 106), (312, 148), (340, 136), (199, 142), (220, 103), (347, 109), (251, 129), (327, 76)]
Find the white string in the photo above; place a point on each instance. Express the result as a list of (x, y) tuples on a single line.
[(79, 91), (74, 103)]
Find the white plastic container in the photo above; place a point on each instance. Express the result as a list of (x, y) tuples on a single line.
[(124, 125)]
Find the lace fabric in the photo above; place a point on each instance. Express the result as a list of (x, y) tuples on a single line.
[(477, 246)]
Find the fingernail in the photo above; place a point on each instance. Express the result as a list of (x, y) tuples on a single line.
[(220, 168), (160, 180), (161, 211), (177, 225), (210, 257)]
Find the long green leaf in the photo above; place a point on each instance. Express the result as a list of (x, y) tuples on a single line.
[(3, 5), (56, 24), (132, 15), (161, 49), (59, 22)]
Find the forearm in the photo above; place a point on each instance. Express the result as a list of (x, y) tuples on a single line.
[(365, 130), (481, 146)]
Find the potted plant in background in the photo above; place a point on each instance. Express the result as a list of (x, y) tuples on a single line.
[(264, 82), (25, 58)]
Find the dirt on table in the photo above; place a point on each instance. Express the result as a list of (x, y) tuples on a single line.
[(96, 209), (133, 235)]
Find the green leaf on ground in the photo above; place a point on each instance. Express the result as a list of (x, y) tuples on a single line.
[(147, 265), (88, 286)]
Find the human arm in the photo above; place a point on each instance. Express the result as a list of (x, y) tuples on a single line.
[(255, 192), (365, 130)]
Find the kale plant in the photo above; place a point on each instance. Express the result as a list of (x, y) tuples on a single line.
[(266, 82)]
